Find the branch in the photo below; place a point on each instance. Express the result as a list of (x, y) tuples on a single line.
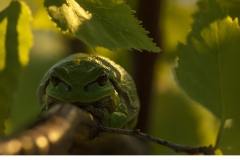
[(65, 124), (53, 133), (176, 147)]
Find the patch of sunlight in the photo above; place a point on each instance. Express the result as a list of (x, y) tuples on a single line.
[(103, 51), (186, 3), (8, 126), (25, 38), (4, 4), (208, 124), (121, 56), (74, 12), (77, 7), (43, 144), (175, 116), (228, 123), (165, 75), (42, 21), (13, 147), (176, 24), (3, 30), (218, 152), (49, 44)]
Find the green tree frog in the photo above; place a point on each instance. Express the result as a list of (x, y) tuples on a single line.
[(94, 83)]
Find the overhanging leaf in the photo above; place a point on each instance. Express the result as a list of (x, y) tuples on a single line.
[(15, 43), (209, 65), (105, 23)]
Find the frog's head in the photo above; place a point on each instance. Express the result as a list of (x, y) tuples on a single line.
[(79, 80)]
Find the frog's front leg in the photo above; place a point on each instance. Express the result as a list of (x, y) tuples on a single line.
[(115, 119), (118, 118)]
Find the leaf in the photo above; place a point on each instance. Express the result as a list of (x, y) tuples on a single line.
[(208, 63), (16, 41), (180, 120), (232, 6), (229, 143), (105, 23)]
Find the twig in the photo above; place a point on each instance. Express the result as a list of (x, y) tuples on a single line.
[(176, 147)]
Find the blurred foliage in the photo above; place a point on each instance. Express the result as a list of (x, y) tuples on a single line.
[(176, 24), (48, 49), (174, 116), (41, 19), (16, 41)]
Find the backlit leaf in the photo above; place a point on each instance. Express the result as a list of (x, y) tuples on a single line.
[(209, 63), (105, 23), (16, 41)]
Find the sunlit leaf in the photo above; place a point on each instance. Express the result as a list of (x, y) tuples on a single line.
[(105, 23), (16, 41), (229, 143), (232, 6), (209, 62)]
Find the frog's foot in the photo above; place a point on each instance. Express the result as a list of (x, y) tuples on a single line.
[(117, 120), (100, 113)]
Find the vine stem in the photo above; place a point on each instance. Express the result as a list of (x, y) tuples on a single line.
[(176, 147)]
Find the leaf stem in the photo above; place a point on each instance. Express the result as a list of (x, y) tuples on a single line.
[(219, 134), (176, 147)]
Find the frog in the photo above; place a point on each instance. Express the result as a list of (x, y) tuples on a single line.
[(93, 83)]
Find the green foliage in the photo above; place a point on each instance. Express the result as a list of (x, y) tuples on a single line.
[(16, 37), (209, 62), (105, 23), (16, 41), (207, 67)]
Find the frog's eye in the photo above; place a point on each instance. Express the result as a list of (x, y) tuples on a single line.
[(102, 79), (54, 79)]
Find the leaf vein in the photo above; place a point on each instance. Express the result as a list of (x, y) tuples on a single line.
[(114, 24)]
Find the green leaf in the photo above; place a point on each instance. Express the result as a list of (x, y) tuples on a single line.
[(232, 6), (229, 143), (15, 43), (209, 63), (105, 23)]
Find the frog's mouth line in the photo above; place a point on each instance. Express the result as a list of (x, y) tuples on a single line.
[(51, 100)]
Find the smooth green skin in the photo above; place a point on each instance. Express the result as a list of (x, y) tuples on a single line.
[(80, 70)]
